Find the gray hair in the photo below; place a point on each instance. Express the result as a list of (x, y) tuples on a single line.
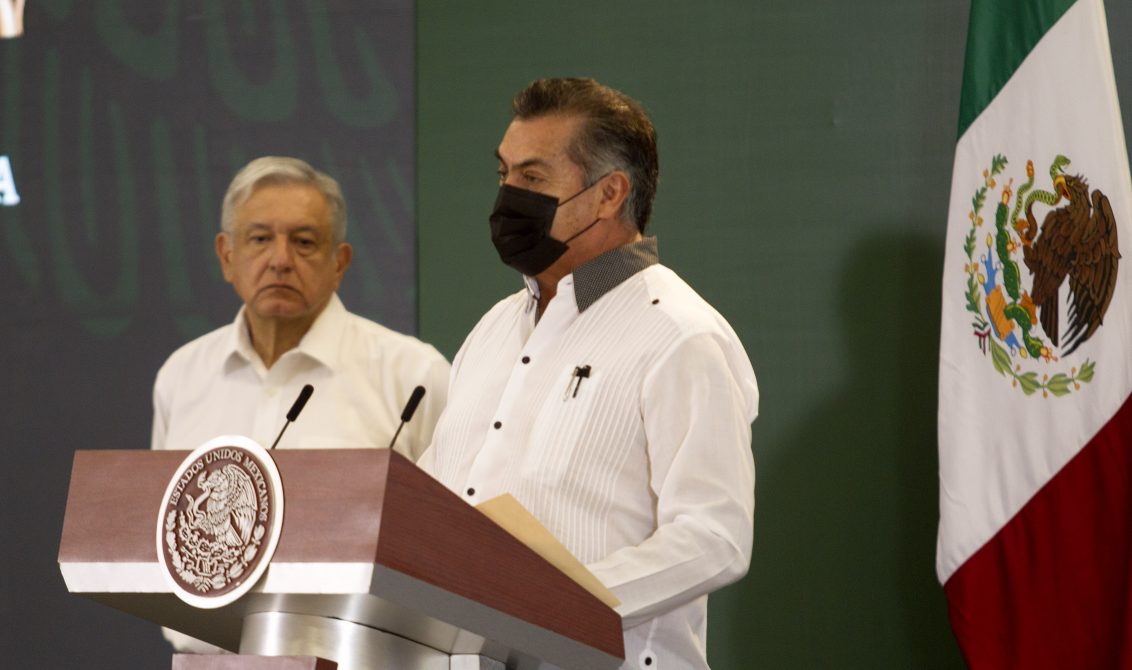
[(270, 170), (617, 134)]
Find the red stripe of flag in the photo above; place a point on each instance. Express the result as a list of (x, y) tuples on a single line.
[(1053, 588)]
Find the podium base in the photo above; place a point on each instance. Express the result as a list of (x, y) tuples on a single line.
[(353, 646), (228, 662)]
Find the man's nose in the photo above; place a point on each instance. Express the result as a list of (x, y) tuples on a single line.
[(281, 258)]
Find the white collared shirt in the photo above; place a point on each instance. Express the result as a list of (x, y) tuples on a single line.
[(643, 469), (362, 373)]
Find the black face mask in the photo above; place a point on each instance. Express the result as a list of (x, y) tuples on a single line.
[(520, 228)]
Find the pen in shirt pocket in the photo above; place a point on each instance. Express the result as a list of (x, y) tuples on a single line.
[(580, 372)]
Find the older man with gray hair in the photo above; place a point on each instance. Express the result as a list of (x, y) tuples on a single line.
[(282, 246)]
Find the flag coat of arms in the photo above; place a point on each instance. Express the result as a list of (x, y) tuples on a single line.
[(1035, 416)]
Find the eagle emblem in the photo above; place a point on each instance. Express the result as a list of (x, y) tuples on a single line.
[(1018, 285), (219, 521), (230, 505)]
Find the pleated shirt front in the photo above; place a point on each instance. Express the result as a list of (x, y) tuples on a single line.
[(623, 424)]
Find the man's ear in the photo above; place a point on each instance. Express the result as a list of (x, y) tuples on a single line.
[(224, 255), (614, 192)]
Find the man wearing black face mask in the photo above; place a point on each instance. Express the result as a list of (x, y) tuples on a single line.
[(607, 397)]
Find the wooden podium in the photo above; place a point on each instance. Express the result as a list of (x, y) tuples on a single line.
[(378, 566)]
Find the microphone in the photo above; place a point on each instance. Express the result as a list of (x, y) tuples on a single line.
[(407, 413), (293, 413), (300, 402)]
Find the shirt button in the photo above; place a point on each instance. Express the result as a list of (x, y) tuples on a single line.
[(498, 425), (471, 491), (526, 359)]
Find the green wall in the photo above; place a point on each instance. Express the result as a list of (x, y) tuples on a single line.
[(806, 151)]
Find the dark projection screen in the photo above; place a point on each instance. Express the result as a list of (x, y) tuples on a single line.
[(121, 124)]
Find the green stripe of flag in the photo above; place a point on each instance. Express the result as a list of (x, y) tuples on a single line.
[(1000, 34)]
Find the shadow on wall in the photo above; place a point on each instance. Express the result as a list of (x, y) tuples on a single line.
[(845, 534)]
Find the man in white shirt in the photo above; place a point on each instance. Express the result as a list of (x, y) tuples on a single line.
[(607, 396), (282, 246)]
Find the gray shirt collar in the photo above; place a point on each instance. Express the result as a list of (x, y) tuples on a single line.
[(600, 275)]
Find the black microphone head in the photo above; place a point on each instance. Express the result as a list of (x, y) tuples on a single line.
[(411, 406), (300, 402)]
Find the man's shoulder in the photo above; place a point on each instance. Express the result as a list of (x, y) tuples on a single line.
[(210, 346), (675, 301), (507, 309), (379, 338), (699, 330)]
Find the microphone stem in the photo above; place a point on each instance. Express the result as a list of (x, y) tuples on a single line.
[(280, 436), (391, 442)]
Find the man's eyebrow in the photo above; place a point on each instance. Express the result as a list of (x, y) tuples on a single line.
[(527, 163), (259, 225)]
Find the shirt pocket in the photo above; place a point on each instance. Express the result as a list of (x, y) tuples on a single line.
[(566, 423)]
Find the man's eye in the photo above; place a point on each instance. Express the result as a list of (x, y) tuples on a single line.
[(258, 239), (532, 178), (305, 243)]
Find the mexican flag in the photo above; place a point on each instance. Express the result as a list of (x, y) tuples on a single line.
[(1035, 381)]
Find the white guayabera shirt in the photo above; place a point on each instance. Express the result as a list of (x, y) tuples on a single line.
[(362, 373), (622, 420)]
